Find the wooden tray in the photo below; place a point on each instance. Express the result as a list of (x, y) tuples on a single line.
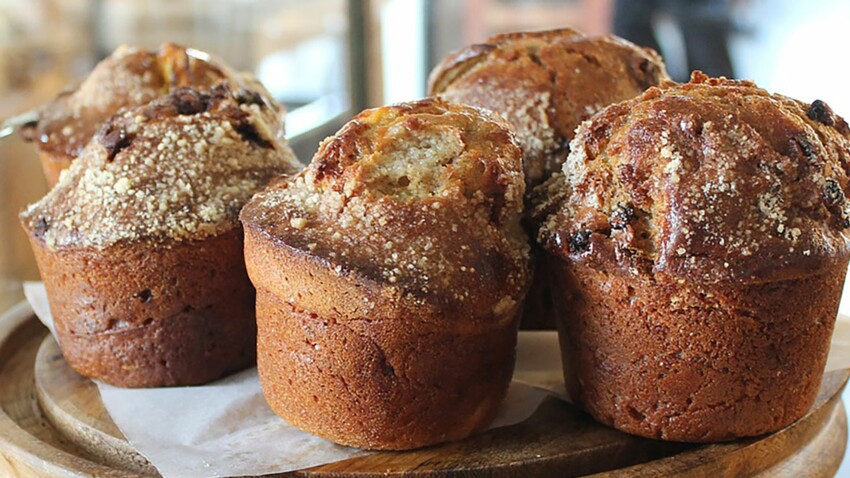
[(52, 423)]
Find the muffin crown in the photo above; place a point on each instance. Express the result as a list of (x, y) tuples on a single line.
[(128, 77), (178, 168), (710, 180), (424, 197), (423, 151), (545, 83)]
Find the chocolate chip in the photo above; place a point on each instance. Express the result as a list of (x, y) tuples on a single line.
[(219, 91), (144, 296), (832, 192), (801, 142), (820, 112), (41, 226), (249, 132), (836, 201), (189, 101), (387, 369), (649, 74), (621, 216), (114, 139), (249, 97), (580, 241)]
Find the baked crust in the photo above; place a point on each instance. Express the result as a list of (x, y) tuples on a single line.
[(129, 77), (152, 315), (354, 361), (712, 180), (694, 362), (545, 84), (687, 232), (140, 247), (389, 277), (178, 168)]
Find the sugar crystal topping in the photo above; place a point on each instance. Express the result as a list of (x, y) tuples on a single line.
[(154, 174), (128, 77), (720, 175), (424, 197)]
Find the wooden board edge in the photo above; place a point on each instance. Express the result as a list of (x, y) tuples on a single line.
[(23, 452)]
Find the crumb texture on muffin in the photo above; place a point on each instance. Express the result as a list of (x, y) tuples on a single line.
[(545, 83), (129, 77), (180, 168), (710, 180), (424, 197)]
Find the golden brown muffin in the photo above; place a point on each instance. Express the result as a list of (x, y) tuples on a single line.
[(128, 77), (698, 236), (545, 84), (140, 247), (389, 277)]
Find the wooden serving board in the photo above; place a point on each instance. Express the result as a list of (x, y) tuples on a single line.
[(52, 423)]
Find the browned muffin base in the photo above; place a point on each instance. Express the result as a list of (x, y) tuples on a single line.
[(53, 164), (148, 316), (697, 363), (376, 379)]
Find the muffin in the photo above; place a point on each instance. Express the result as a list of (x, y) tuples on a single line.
[(139, 244), (546, 83), (389, 277), (697, 237), (128, 77)]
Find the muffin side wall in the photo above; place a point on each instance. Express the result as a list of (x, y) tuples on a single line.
[(142, 316), (694, 362), (372, 373)]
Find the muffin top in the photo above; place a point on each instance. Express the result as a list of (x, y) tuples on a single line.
[(424, 197), (546, 83), (177, 168), (710, 180), (128, 77)]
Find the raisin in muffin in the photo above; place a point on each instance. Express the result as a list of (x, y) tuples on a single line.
[(546, 83), (128, 77), (139, 244), (389, 277), (699, 239)]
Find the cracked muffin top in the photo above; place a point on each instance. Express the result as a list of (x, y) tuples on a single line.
[(545, 84), (710, 180), (128, 77), (423, 197), (177, 168)]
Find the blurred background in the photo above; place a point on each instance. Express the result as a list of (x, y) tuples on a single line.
[(328, 59)]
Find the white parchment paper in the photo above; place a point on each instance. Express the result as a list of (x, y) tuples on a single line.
[(226, 429)]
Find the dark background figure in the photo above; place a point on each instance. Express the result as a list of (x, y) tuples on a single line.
[(705, 27)]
